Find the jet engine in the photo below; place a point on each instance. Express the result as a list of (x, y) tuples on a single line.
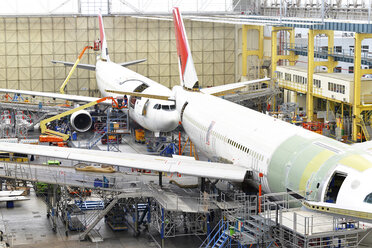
[(81, 121)]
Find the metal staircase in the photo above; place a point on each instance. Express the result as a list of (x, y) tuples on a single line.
[(218, 236), (98, 217), (365, 129), (97, 138), (222, 239)]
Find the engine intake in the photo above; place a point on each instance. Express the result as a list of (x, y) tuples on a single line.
[(81, 121)]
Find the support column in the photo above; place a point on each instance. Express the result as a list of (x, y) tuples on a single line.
[(310, 72), (162, 231), (358, 73), (357, 83)]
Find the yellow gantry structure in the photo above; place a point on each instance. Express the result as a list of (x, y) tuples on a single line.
[(275, 57), (311, 65), (358, 73), (247, 52), (330, 63)]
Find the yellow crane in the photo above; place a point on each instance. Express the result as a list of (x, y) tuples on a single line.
[(62, 88), (43, 123)]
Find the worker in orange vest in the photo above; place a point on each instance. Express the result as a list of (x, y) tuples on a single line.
[(359, 137)]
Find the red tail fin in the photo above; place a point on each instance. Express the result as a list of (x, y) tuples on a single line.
[(104, 53), (188, 76)]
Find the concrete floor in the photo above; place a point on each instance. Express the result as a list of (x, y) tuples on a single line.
[(27, 226)]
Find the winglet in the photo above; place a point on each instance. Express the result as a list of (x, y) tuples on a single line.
[(104, 53), (188, 76)]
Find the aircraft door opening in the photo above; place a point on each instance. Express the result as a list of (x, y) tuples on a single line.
[(334, 186)]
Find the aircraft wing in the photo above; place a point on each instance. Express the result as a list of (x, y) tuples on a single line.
[(137, 161), (228, 88), (8, 193), (13, 198), (74, 98)]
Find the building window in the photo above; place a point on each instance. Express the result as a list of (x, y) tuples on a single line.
[(351, 69), (288, 77), (365, 49), (317, 83), (338, 49)]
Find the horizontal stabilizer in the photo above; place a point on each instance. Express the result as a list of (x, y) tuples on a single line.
[(229, 88), (137, 161), (93, 67), (133, 62), (80, 66), (160, 97), (73, 98)]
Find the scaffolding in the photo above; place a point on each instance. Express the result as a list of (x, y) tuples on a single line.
[(277, 219)]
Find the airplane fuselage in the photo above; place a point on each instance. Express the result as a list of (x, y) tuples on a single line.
[(152, 114), (289, 157)]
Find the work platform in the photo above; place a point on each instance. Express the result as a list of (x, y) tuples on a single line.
[(343, 55), (269, 220)]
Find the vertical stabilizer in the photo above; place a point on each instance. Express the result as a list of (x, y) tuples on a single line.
[(188, 76), (104, 50)]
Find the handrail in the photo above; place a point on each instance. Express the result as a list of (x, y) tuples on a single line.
[(221, 224)]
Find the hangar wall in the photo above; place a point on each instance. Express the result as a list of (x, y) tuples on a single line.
[(28, 44)]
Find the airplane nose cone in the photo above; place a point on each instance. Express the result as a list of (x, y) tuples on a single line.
[(170, 122)]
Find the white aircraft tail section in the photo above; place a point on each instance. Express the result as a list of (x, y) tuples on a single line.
[(104, 50), (188, 76)]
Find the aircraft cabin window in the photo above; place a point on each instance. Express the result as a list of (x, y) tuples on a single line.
[(368, 198), (156, 106), (172, 107)]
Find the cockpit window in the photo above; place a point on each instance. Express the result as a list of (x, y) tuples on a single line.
[(368, 198), (165, 107)]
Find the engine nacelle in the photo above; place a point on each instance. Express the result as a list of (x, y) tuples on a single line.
[(81, 121)]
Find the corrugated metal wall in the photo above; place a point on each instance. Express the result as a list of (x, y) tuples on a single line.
[(28, 44)]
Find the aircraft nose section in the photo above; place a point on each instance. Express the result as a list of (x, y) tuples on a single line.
[(356, 192), (170, 121)]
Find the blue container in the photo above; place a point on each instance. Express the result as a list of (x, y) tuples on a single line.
[(98, 183), (10, 204)]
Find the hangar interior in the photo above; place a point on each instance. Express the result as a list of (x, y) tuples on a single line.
[(30, 43), (105, 188)]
